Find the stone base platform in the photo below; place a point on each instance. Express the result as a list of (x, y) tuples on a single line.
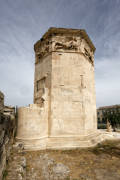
[(67, 142)]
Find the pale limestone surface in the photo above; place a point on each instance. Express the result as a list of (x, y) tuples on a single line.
[(32, 122), (64, 110)]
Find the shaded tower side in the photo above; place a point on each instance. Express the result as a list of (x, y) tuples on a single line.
[(33, 120), (42, 76)]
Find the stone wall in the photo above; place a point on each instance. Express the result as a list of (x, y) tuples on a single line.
[(7, 131), (1, 101), (64, 65), (72, 95), (32, 121)]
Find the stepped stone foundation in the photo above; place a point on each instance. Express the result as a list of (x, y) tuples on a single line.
[(64, 111)]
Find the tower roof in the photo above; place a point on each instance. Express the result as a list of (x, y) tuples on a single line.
[(54, 31)]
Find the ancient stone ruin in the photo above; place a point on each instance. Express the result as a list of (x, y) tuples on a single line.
[(1, 102), (7, 132), (63, 116), (64, 111)]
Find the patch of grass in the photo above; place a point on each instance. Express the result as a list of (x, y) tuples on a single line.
[(68, 178), (107, 147), (5, 173)]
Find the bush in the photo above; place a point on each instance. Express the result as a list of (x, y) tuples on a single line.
[(102, 126)]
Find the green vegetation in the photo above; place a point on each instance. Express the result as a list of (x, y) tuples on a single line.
[(5, 173), (102, 126), (113, 117)]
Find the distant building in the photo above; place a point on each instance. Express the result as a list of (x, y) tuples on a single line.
[(102, 110)]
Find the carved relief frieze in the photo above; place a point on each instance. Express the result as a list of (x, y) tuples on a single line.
[(71, 45), (43, 49), (63, 44), (88, 55), (66, 43)]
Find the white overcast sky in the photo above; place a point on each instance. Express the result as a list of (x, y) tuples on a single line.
[(23, 22)]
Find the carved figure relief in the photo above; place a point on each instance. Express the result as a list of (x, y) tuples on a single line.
[(66, 43), (43, 49), (63, 43), (66, 46)]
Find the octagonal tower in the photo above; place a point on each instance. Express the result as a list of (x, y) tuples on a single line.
[(64, 92)]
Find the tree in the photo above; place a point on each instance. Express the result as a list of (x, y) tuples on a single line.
[(113, 117)]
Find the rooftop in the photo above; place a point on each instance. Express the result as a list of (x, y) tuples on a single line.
[(109, 107)]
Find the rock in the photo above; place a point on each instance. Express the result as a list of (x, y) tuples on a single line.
[(60, 171), (19, 169), (23, 162), (20, 177), (85, 177), (118, 145), (18, 146), (52, 170), (106, 174)]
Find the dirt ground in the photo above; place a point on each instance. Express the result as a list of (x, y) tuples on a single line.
[(98, 163)]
